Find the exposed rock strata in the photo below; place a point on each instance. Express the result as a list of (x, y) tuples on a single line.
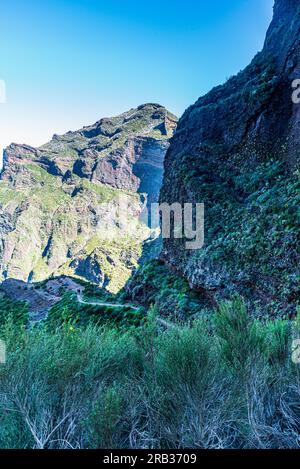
[(59, 203)]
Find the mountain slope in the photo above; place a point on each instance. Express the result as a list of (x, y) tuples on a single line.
[(237, 150), (60, 204)]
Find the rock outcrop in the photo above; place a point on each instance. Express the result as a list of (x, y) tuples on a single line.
[(237, 149), (60, 204)]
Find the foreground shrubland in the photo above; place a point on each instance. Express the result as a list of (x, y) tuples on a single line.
[(224, 382)]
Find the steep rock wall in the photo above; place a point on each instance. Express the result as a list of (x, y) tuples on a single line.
[(237, 149)]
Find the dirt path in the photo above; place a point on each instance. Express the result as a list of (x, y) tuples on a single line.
[(166, 324), (162, 322), (104, 303), (40, 300)]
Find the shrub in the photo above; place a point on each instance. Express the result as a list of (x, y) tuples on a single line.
[(226, 381)]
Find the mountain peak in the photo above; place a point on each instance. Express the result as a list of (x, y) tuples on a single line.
[(79, 151), (65, 187)]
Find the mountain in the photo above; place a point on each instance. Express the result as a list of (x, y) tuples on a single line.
[(61, 203), (237, 150)]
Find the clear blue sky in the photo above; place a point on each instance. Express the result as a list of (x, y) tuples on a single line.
[(67, 63)]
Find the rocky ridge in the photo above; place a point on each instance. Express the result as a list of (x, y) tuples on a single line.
[(60, 203)]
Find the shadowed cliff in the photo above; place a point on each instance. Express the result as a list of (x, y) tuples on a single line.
[(237, 150)]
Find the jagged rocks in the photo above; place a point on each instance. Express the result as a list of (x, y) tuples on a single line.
[(59, 203)]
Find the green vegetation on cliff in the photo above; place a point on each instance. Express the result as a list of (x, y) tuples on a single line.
[(153, 284), (237, 150), (252, 235)]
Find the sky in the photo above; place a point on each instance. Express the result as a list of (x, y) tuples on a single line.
[(68, 63)]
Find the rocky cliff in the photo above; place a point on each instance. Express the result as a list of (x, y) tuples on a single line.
[(237, 150), (60, 204)]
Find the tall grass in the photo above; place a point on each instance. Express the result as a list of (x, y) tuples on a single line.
[(224, 382)]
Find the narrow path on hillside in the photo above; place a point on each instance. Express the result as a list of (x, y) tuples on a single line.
[(104, 303), (160, 321)]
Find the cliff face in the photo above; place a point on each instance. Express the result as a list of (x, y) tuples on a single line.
[(60, 203), (118, 151), (237, 150)]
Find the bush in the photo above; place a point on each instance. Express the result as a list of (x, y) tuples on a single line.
[(17, 310), (69, 312), (226, 381)]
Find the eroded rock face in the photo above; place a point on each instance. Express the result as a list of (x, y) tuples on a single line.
[(59, 203), (104, 152), (237, 150), (138, 166)]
